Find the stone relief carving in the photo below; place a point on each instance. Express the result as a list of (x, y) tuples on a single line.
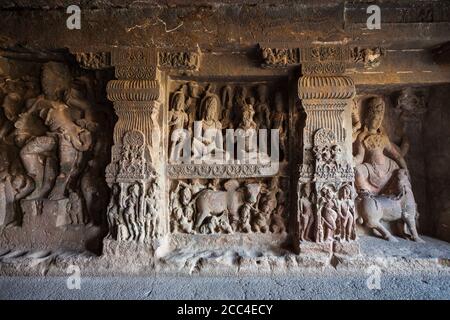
[(93, 60), (369, 57), (180, 60), (55, 136), (279, 57), (228, 207), (326, 204), (381, 176), (410, 105), (199, 119)]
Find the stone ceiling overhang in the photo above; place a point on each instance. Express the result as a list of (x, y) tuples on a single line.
[(222, 24)]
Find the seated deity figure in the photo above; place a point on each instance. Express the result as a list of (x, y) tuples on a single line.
[(208, 142), (376, 157), (247, 150), (381, 178)]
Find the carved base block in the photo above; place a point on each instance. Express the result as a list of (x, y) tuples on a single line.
[(314, 248), (125, 252), (254, 241), (346, 248), (45, 225)]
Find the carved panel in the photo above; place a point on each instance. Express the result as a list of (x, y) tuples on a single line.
[(134, 57), (183, 60), (54, 148), (369, 57), (213, 207), (94, 60), (136, 72), (279, 57), (227, 111)]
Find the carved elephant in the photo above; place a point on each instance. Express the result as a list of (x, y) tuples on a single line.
[(373, 209), (214, 203)]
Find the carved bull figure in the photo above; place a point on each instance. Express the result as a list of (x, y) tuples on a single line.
[(373, 209), (214, 203)]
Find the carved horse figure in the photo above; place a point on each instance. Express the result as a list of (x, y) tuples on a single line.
[(214, 203), (374, 209)]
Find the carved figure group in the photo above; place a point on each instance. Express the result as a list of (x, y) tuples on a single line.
[(207, 208), (326, 213), (199, 115)]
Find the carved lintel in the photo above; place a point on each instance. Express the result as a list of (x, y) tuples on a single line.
[(135, 63), (279, 57), (133, 56), (93, 60), (324, 59), (179, 60), (368, 57)]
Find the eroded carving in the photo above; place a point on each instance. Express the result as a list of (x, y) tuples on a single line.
[(179, 60), (369, 57)]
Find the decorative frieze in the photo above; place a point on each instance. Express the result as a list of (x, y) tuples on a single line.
[(180, 60), (93, 60)]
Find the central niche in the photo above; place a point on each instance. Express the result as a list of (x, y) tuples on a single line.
[(225, 192)]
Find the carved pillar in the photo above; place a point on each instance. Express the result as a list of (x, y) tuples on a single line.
[(326, 179), (135, 212)]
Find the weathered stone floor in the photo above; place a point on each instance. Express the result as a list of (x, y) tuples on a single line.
[(326, 286), (408, 270)]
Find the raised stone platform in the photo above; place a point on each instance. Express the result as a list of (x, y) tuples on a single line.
[(432, 256)]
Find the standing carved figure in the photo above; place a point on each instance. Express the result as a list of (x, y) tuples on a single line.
[(178, 120), (262, 110), (306, 212), (278, 121), (131, 211), (346, 213), (113, 213), (151, 211), (227, 105), (328, 208)]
